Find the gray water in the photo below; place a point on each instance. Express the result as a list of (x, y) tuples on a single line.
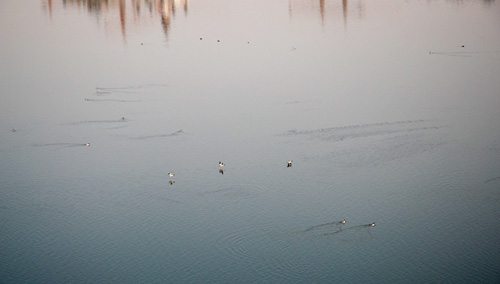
[(389, 110)]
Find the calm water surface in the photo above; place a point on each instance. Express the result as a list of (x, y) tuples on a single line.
[(388, 109)]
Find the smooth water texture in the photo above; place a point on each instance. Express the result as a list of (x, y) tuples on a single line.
[(388, 110)]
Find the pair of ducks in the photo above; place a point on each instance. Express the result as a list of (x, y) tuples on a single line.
[(171, 175), (221, 164)]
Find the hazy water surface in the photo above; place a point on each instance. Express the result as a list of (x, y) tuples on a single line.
[(388, 109)]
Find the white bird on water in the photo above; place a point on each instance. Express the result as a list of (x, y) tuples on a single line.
[(289, 164), (88, 144), (221, 164), (171, 174)]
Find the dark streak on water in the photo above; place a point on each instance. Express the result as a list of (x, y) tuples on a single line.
[(98, 122), (60, 144), (492, 179), (354, 233), (337, 223), (340, 133), (175, 133), (112, 100)]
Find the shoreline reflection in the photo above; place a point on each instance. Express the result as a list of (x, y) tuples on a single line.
[(130, 13), (346, 8)]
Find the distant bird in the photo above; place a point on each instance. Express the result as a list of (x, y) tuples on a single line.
[(372, 224), (13, 130), (88, 144), (221, 171), (289, 164), (171, 182), (171, 174), (221, 164), (343, 222), (201, 38)]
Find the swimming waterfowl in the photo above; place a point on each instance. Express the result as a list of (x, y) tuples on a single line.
[(343, 222), (221, 164), (88, 144), (289, 164), (171, 182), (221, 171), (372, 224), (171, 174)]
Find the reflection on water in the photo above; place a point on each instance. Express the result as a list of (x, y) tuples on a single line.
[(325, 9), (345, 8), (135, 13), (131, 13), (376, 128)]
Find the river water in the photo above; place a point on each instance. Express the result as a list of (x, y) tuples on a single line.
[(389, 111)]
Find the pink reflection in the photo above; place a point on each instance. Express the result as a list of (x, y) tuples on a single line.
[(122, 14)]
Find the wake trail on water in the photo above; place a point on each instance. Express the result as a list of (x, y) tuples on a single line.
[(127, 89), (60, 144), (340, 133), (461, 53), (97, 121), (175, 133), (492, 179), (337, 223), (344, 231), (112, 100)]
